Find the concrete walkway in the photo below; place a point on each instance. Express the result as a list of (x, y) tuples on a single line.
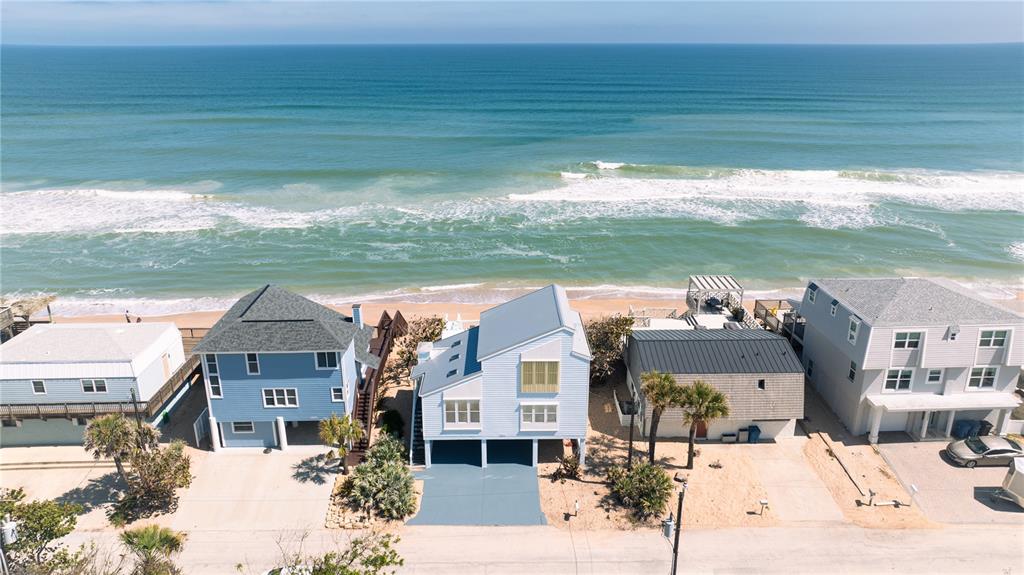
[(464, 494), (795, 492)]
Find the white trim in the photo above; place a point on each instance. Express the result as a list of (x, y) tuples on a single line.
[(995, 378), (263, 395), (234, 431), (337, 361), (34, 382), (535, 426), (564, 328), (94, 380), (1006, 337), (900, 371), (855, 331), (206, 376), (452, 384), (908, 333), (248, 371), (342, 390), (928, 375), (458, 425)]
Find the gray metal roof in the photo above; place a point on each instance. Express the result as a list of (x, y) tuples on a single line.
[(913, 302), (459, 355), (273, 319), (526, 317), (707, 351)]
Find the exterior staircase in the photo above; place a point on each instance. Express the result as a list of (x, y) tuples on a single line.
[(416, 449), (388, 330)]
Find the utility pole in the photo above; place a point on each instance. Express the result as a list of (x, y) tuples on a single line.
[(632, 416), (679, 527)]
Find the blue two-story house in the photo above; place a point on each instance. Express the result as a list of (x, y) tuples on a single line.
[(522, 376), (278, 361)]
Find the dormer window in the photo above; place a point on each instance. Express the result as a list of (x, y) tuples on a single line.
[(812, 292), (851, 335), (834, 308)]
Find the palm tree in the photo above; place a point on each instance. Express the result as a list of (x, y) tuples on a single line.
[(153, 546), (116, 437), (702, 404), (339, 433), (662, 392)]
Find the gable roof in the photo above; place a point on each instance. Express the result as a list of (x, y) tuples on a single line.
[(913, 301), (273, 319), (711, 351), (526, 317)]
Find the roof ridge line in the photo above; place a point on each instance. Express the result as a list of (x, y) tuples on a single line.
[(263, 290)]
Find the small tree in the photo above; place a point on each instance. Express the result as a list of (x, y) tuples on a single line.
[(40, 525), (387, 449), (607, 337), (383, 484), (153, 547), (158, 474), (701, 404), (662, 392), (403, 354), (116, 437), (339, 433), (645, 488)]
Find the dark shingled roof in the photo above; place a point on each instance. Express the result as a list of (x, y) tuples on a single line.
[(273, 319), (699, 351)]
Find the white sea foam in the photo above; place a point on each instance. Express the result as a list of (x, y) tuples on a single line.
[(1016, 249), (607, 165), (574, 176)]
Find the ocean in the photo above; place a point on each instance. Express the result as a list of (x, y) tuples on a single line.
[(171, 179)]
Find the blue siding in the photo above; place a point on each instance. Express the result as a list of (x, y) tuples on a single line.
[(263, 435), (56, 431), (65, 391), (243, 393)]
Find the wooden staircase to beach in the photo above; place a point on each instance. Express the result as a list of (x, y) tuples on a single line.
[(388, 330)]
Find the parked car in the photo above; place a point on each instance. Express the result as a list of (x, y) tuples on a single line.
[(987, 450)]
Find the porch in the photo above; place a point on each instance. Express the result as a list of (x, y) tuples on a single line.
[(930, 417)]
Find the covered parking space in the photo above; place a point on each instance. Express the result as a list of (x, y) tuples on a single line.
[(484, 452), (930, 416)]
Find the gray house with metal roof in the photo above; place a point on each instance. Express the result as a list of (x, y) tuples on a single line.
[(756, 370), (276, 361), (522, 376), (910, 354)]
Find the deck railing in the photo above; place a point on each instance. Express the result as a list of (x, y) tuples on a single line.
[(69, 410)]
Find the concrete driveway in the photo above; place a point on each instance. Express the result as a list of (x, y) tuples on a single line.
[(458, 491), (795, 492), (946, 492)]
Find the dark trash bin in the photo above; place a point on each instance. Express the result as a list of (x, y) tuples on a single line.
[(754, 434), (962, 428), (985, 427), (975, 428)]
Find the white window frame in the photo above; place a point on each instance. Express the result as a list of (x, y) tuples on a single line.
[(534, 425), (252, 428), (463, 409), (941, 372), (41, 382), (545, 373), (213, 371), (284, 395), (334, 398), (327, 354), (812, 294), (852, 374), (853, 330), (907, 340), (899, 377), (989, 342), (834, 308), (982, 377), (93, 384), (250, 359)]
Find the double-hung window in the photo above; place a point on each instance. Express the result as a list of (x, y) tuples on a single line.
[(810, 368), (898, 379), (252, 363), (337, 394), (463, 413), (852, 374), (934, 376), (211, 370), (538, 377), (326, 360), (281, 397), (992, 338), (982, 377), (812, 292), (39, 387), (851, 335), (834, 308), (907, 340), (94, 385), (539, 416)]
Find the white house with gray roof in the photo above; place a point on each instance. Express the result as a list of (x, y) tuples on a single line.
[(756, 370), (522, 376), (910, 354)]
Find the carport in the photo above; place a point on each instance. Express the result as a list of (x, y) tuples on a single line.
[(487, 452)]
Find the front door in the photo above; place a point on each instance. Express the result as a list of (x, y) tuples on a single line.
[(702, 430)]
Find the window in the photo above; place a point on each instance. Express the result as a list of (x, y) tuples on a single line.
[(326, 360), (539, 416), (281, 397), (457, 343), (337, 394), (454, 357), (538, 377), (992, 338), (11, 423), (211, 370), (760, 384), (810, 367), (851, 336), (252, 363), (852, 374), (452, 372), (907, 340), (812, 292), (982, 377), (38, 387), (834, 308), (242, 427), (934, 375), (462, 412), (898, 379), (94, 385)]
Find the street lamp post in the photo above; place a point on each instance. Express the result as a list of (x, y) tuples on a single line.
[(679, 526)]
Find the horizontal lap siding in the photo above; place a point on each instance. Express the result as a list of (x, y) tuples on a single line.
[(65, 391), (263, 435), (782, 398), (42, 432), (243, 393)]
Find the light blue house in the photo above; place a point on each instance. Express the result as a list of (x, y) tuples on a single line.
[(55, 377), (277, 361), (522, 376)]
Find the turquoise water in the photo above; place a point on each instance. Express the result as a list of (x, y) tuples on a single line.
[(139, 175)]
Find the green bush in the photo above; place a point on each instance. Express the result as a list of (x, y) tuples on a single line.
[(392, 423), (568, 467), (645, 489), (387, 449), (384, 488)]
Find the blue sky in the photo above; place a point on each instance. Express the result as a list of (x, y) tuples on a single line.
[(294, 22)]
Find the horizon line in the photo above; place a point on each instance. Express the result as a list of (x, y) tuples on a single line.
[(477, 44)]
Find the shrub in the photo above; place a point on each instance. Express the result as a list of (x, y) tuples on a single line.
[(568, 467), (607, 337), (392, 423), (384, 488), (645, 489), (387, 449)]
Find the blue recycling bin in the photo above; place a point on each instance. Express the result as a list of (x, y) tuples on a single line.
[(961, 428), (975, 427), (753, 434)]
